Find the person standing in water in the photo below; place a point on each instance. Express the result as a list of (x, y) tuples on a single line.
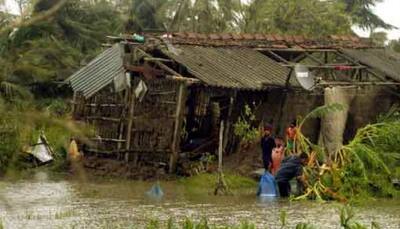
[(291, 167), (291, 133), (267, 144), (278, 153)]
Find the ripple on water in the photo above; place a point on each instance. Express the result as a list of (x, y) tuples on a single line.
[(42, 203)]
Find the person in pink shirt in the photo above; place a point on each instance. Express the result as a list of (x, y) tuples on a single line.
[(278, 153)]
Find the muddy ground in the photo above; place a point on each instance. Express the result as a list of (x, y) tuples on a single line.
[(244, 162)]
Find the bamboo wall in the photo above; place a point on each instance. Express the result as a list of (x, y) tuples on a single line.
[(123, 124), (154, 117)]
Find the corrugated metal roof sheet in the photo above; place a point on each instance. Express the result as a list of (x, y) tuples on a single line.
[(383, 60), (99, 72), (230, 67)]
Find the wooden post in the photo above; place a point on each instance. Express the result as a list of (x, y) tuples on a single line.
[(220, 147), (221, 186), (228, 120), (130, 123), (122, 121), (176, 136), (74, 104)]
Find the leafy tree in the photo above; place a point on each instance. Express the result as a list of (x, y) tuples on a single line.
[(306, 17), (52, 49), (362, 15), (146, 15), (205, 16)]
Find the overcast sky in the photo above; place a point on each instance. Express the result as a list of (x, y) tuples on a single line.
[(388, 10)]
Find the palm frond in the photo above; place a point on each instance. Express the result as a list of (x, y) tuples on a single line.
[(322, 111)]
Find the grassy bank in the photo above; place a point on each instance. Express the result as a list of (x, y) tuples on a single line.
[(21, 122)]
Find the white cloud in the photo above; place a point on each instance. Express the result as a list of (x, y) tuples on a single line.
[(12, 7), (389, 12)]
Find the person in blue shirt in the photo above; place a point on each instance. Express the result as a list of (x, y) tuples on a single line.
[(267, 145), (291, 167)]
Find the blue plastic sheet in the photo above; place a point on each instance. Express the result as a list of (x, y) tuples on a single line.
[(267, 186), (155, 192)]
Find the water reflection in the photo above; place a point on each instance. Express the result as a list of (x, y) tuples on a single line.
[(45, 203)]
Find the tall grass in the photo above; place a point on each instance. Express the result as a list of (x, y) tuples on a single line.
[(20, 124)]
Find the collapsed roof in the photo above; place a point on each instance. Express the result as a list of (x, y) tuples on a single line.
[(231, 60), (382, 60)]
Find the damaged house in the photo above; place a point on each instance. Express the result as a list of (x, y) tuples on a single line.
[(164, 99)]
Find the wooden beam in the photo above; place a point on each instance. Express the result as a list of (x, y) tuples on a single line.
[(332, 66), (176, 136), (103, 105), (185, 79), (278, 57), (336, 83), (220, 146), (228, 118), (326, 57), (161, 65), (74, 103), (313, 58), (298, 58), (143, 69), (130, 122), (122, 123), (208, 143), (107, 140), (156, 59), (174, 75), (104, 118), (295, 50)]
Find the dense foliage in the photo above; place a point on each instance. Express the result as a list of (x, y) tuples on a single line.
[(363, 168), (39, 47), (50, 39)]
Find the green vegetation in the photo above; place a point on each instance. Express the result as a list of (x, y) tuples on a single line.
[(347, 221), (51, 39), (244, 129), (363, 168), (21, 126)]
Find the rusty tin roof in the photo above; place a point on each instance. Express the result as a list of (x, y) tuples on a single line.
[(99, 72), (242, 68), (383, 60)]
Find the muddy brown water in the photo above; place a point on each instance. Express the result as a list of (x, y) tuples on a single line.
[(43, 202)]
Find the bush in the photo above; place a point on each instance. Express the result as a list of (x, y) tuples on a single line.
[(243, 127)]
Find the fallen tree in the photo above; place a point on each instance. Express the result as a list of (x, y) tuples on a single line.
[(365, 167)]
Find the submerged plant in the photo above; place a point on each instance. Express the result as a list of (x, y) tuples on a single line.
[(347, 221)]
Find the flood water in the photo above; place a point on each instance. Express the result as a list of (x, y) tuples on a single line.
[(43, 202)]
